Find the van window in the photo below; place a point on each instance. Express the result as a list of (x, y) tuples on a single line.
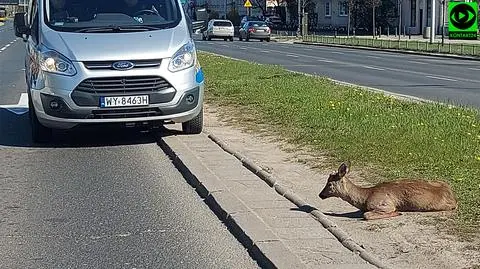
[(111, 15), (222, 23)]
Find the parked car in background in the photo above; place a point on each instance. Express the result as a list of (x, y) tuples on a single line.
[(254, 30), (217, 28), (273, 22), (248, 18)]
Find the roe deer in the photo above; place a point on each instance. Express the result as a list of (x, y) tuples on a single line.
[(389, 198)]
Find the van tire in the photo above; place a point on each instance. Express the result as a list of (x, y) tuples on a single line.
[(195, 125), (231, 39), (40, 133)]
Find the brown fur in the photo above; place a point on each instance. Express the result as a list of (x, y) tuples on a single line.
[(389, 198)]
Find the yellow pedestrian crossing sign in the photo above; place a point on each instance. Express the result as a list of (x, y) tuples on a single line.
[(247, 4)]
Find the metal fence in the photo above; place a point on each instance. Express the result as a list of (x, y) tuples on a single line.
[(412, 45)]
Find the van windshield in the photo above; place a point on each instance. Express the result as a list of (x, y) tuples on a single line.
[(111, 15)]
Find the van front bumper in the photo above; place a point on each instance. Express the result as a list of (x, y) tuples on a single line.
[(67, 114)]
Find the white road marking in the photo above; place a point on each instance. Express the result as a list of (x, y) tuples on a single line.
[(23, 102), (8, 45), (291, 55), (20, 108), (474, 69), (374, 68), (326, 61), (417, 62), (336, 52), (301, 65), (374, 57), (265, 51), (441, 78)]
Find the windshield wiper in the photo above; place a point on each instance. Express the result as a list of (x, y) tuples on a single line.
[(117, 28)]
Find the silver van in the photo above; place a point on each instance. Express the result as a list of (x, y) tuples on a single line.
[(131, 62)]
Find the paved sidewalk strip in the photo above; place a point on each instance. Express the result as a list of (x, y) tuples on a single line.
[(276, 232)]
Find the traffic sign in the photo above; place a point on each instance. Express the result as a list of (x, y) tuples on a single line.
[(247, 4), (463, 20)]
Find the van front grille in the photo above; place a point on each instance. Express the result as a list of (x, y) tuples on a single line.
[(108, 65), (123, 85)]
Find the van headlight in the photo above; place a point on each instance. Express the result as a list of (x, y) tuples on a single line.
[(53, 62), (183, 58)]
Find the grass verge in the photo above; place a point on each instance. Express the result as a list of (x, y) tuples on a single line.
[(386, 136)]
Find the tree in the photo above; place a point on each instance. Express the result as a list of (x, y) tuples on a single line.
[(261, 4)]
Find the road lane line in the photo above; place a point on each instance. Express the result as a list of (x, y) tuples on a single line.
[(23, 102), (441, 78), (291, 55), (474, 69), (20, 108), (265, 51), (374, 68), (417, 62), (326, 61), (336, 52), (374, 57)]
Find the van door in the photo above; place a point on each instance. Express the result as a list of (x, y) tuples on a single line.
[(32, 63)]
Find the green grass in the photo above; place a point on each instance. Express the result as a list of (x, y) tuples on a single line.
[(448, 48), (384, 136)]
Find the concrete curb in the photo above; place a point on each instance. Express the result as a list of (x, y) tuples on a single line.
[(341, 235), (234, 228), (454, 56)]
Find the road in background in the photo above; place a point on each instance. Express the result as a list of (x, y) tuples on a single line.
[(12, 78), (435, 78)]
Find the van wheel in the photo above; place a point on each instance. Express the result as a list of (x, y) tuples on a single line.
[(209, 38), (40, 133), (231, 39), (195, 125), (268, 39), (240, 38)]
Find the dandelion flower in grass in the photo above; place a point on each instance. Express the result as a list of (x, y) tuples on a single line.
[(477, 158)]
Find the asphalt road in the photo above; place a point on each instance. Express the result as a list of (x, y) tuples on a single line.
[(440, 79), (11, 66), (98, 200)]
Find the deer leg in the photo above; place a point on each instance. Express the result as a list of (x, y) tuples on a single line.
[(373, 215)]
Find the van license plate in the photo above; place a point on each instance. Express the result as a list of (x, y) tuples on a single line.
[(123, 101)]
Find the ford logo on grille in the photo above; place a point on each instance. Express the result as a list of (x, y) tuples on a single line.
[(123, 65)]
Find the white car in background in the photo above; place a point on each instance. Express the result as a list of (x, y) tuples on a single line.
[(217, 28)]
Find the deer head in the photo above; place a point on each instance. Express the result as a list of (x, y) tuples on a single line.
[(334, 185)]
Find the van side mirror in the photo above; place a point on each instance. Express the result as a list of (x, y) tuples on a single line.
[(20, 25)]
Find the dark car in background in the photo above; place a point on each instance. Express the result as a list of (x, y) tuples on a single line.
[(254, 30)]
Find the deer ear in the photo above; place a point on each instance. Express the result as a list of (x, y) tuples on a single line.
[(342, 170)]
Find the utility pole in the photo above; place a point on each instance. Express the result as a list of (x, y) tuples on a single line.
[(399, 18), (299, 18), (443, 22), (348, 25), (432, 30)]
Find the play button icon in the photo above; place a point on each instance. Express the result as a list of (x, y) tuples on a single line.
[(463, 16)]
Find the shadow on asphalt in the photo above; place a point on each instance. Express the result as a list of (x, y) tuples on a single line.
[(15, 131)]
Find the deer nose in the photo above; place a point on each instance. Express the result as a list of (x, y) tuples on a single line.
[(322, 196)]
